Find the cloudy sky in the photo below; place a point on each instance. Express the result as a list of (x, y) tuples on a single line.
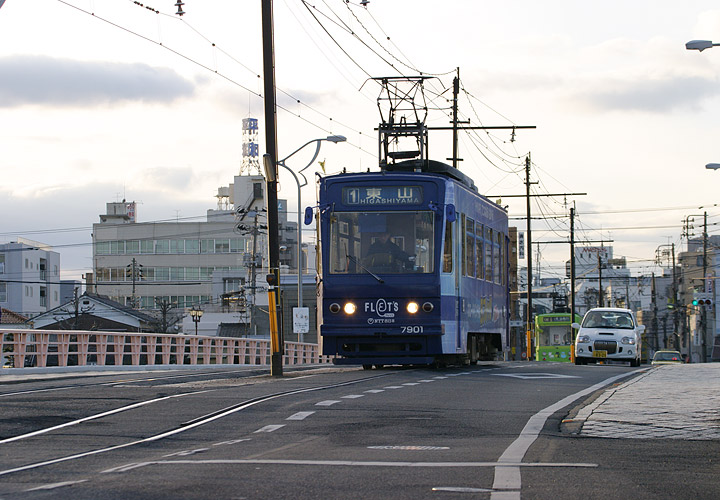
[(102, 100)]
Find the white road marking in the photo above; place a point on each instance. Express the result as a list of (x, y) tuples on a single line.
[(232, 441), (346, 463), (186, 453), (375, 391), (56, 485), (328, 402), (507, 483), (411, 383), (426, 381), (270, 428), (394, 387), (533, 376), (409, 448), (460, 489), (301, 415), (353, 396), (99, 415), (191, 425)]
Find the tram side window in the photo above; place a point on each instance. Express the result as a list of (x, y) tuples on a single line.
[(497, 272), (448, 248), (479, 252), (463, 261), (470, 247), (488, 254), (502, 240)]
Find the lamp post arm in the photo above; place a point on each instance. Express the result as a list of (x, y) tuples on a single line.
[(317, 150)]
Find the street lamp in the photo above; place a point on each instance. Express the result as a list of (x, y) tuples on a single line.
[(700, 45), (196, 313), (318, 143), (712, 166)]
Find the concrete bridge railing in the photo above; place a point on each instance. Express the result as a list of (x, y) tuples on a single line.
[(21, 348)]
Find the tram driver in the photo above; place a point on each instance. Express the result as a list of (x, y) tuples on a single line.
[(385, 255)]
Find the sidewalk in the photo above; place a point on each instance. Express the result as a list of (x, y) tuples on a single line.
[(669, 401)]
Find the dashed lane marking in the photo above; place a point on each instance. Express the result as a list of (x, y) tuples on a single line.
[(270, 428), (328, 402), (301, 415)]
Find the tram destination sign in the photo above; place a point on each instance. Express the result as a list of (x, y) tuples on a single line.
[(382, 195)]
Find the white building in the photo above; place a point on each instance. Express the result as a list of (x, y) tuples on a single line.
[(218, 264), (29, 277)]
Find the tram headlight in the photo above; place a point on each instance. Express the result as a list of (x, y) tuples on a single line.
[(413, 307), (428, 307), (349, 308)]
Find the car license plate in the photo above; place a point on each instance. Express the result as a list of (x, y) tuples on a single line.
[(599, 354)]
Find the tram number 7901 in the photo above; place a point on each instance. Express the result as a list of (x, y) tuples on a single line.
[(411, 329)]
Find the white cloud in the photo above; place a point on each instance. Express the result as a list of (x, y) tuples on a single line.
[(42, 80)]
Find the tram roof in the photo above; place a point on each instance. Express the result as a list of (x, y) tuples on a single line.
[(431, 166)]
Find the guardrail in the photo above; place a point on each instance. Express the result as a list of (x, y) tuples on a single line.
[(21, 348)]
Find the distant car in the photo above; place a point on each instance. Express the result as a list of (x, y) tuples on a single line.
[(608, 333), (667, 358)]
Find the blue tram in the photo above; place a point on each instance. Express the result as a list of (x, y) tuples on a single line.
[(414, 266)]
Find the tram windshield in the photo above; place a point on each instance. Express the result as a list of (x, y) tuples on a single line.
[(382, 242)]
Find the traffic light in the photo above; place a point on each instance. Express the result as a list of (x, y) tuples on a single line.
[(702, 299)]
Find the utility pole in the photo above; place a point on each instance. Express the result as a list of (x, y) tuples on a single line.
[(703, 313), (456, 91), (573, 333), (601, 292), (270, 159), (528, 322)]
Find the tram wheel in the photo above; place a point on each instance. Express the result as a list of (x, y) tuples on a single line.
[(367, 367)]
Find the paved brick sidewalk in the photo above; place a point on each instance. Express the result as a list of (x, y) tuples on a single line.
[(669, 401)]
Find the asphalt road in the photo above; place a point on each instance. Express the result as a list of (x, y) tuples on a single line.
[(486, 431)]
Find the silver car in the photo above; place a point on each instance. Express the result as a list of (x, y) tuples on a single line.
[(608, 333)]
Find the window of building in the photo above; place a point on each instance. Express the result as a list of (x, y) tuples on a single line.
[(222, 246), (162, 274), (206, 273), (147, 246), (102, 248), (192, 273), (237, 245), (177, 273), (192, 246), (177, 246), (3, 292), (117, 247), (132, 246), (162, 246), (207, 246), (2, 263)]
